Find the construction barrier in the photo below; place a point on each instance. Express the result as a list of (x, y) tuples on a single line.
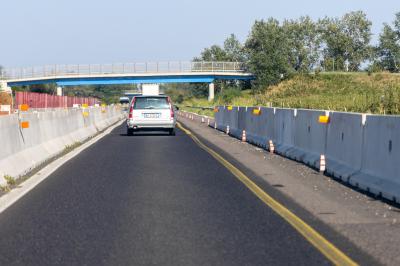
[(284, 130), (309, 137), (43, 100), (344, 142), (380, 166), (362, 150), (45, 135)]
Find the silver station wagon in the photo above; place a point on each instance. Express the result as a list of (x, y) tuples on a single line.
[(151, 113)]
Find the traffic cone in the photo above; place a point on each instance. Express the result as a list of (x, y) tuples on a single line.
[(244, 136), (202, 119), (208, 122), (227, 130), (271, 147), (322, 163)]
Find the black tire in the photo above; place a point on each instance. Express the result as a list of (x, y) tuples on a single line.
[(129, 132), (172, 132)]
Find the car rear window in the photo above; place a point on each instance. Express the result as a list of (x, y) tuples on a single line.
[(151, 103)]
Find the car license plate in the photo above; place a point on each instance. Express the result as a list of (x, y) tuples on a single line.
[(151, 115)]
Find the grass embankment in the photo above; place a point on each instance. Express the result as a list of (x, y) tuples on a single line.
[(378, 93)]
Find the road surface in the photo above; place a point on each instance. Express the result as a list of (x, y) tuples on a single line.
[(147, 200)]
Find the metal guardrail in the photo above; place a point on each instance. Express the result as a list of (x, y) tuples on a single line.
[(119, 68)]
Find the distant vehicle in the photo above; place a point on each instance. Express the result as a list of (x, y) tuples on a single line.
[(124, 100), (155, 112), (150, 89)]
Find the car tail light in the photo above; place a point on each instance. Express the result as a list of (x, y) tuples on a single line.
[(172, 112), (131, 108)]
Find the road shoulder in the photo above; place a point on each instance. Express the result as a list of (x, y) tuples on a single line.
[(329, 206)]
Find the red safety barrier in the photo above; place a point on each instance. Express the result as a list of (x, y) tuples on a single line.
[(43, 100)]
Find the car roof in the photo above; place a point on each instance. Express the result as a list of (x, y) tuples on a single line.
[(145, 96)]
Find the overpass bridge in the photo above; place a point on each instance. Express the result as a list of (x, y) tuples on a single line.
[(127, 73)]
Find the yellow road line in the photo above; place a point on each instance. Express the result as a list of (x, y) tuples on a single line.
[(331, 252)]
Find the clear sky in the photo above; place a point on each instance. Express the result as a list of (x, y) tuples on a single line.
[(37, 32)]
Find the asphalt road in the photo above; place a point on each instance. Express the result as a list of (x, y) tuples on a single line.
[(147, 200)]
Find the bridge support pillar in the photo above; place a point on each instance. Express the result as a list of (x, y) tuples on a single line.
[(4, 87), (59, 91), (211, 92)]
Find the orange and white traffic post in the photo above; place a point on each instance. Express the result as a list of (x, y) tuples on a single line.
[(244, 136), (322, 163), (271, 146)]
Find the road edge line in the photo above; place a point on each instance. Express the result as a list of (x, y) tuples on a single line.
[(329, 250)]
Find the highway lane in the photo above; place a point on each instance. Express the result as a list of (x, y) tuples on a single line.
[(147, 200)]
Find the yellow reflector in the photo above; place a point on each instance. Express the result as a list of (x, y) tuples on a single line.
[(85, 114), (24, 124), (85, 105), (256, 111), (103, 105), (324, 119), (216, 110), (230, 108), (24, 107)]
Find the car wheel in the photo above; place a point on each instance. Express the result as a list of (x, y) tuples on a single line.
[(129, 132), (172, 132)]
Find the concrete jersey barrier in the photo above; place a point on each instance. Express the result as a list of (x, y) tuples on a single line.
[(344, 144), (284, 130), (362, 150), (380, 166), (309, 137), (49, 133)]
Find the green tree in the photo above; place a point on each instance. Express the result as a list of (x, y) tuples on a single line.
[(268, 51), (213, 53), (388, 49), (234, 50), (346, 40), (304, 41)]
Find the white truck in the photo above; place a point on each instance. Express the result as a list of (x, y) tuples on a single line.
[(150, 89)]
